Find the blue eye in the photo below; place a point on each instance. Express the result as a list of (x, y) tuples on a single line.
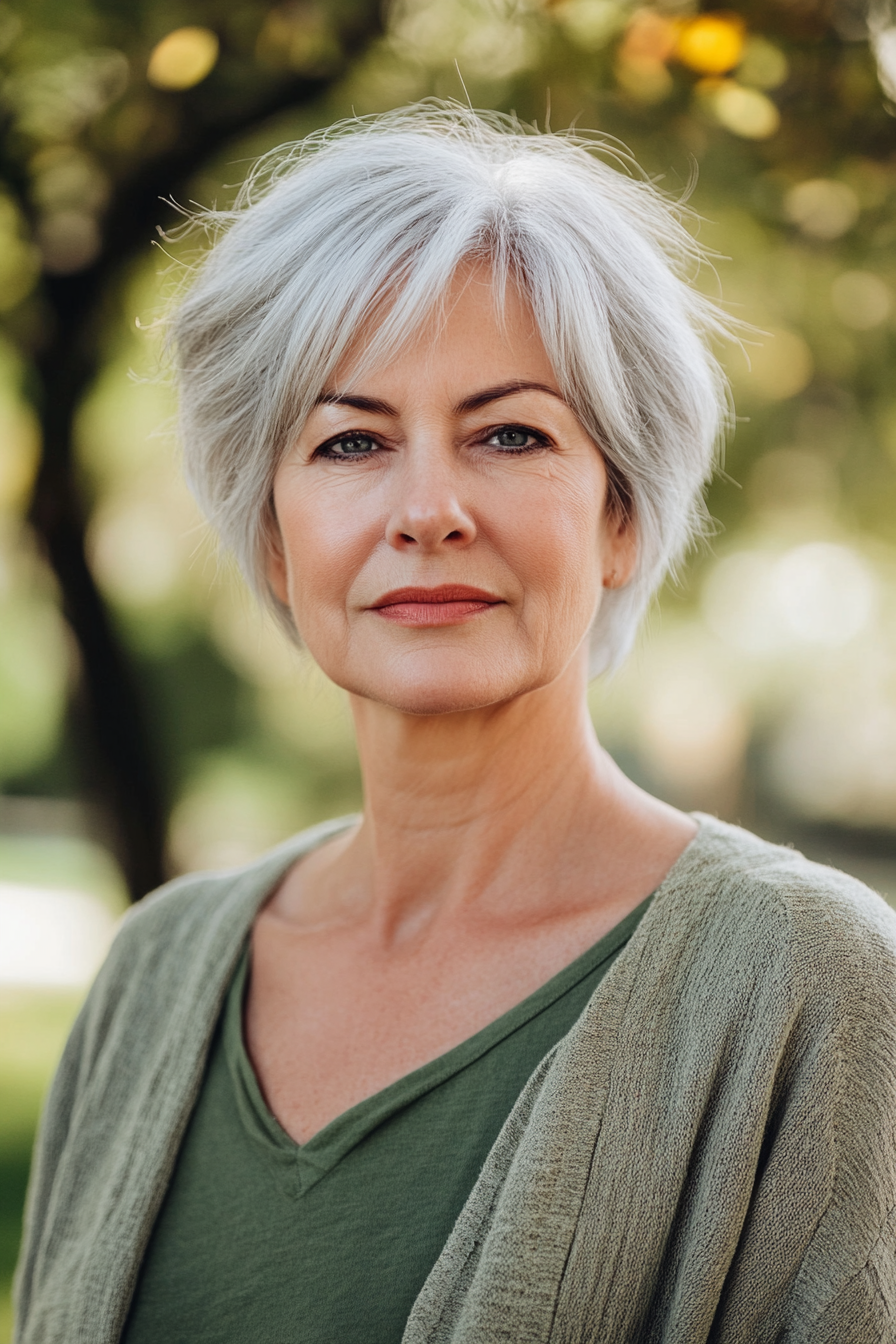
[(349, 445), (516, 439)]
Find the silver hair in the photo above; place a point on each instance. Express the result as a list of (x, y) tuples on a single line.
[(390, 206)]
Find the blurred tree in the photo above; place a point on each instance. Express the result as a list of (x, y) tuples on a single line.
[(786, 107), (106, 108)]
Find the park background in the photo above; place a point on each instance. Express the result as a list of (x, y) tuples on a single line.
[(151, 719)]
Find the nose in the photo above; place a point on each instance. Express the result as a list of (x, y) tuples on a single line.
[(428, 510)]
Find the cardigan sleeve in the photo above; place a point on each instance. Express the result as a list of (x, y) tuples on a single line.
[(711, 1158), (121, 1098), (829, 1155), (91, 1035), (864, 1309), (123, 1093), (849, 1269), (57, 1119)]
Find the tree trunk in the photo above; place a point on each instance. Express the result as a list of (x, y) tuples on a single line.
[(119, 766), (121, 769)]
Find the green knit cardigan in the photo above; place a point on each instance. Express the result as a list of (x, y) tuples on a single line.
[(708, 1155)]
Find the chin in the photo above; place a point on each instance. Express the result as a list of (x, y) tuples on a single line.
[(431, 701), (443, 685)]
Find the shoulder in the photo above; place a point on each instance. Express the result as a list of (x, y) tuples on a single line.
[(811, 922), (200, 901), (183, 938)]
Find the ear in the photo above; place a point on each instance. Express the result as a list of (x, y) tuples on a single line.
[(620, 550), (275, 570)]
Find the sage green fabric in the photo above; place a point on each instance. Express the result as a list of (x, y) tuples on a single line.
[(260, 1241), (709, 1154)]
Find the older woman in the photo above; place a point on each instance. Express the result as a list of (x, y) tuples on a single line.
[(522, 1053)]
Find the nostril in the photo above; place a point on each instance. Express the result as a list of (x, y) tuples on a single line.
[(454, 536), (405, 537)]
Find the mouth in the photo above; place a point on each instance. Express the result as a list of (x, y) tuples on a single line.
[(449, 604)]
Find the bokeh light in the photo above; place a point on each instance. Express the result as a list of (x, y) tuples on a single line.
[(781, 365), (747, 112), (763, 65), (591, 23), (823, 208), (884, 44), (861, 300), (820, 593), (19, 259), (69, 240), (51, 937), (693, 726), (183, 59), (711, 44)]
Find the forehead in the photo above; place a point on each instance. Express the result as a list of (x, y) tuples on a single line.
[(478, 329)]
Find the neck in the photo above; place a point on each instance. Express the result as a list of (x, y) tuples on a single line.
[(475, 807)]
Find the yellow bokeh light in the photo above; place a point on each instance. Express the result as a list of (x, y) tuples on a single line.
[(183, 58), (712, 43), (746, 112)]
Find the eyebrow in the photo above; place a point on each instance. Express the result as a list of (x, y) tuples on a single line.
[(489, 394), (374, 406)]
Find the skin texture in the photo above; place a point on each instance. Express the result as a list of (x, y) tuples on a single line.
[(498, 840)]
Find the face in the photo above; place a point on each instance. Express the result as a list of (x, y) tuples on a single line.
[(444, 536)]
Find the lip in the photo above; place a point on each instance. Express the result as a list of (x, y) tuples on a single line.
[(447, 604), (445, 592)]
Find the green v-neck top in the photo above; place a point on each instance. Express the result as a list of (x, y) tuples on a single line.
[(261, 1240)]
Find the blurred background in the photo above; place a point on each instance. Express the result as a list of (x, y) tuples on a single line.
[(151, 720)]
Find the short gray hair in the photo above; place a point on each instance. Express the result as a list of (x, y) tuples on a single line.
[(390, 206)]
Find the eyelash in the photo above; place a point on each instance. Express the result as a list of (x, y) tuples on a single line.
[(540, 441), (323, 450)]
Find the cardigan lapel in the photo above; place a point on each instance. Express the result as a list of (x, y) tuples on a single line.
[(595, 1128)]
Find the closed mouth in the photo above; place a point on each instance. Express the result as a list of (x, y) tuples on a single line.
[(447, 604)]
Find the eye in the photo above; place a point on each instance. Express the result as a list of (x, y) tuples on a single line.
[(516, 439), (352, 445)]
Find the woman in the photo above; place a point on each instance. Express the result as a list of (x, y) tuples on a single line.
[(522, 1053)]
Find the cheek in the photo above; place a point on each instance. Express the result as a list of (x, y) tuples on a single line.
[(323, 549), (557, 537)]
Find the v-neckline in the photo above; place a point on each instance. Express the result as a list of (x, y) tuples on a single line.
[(309, 1162)]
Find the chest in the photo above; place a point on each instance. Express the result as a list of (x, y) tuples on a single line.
[(331, 1021), (342, 1232)]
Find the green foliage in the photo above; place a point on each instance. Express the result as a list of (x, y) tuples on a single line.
[(781, 121)]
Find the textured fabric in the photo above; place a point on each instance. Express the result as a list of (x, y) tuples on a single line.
[(261, 1240), (709, 1154)]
